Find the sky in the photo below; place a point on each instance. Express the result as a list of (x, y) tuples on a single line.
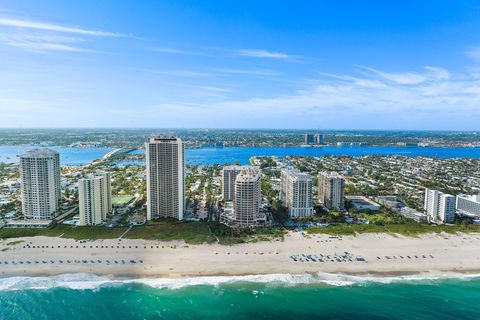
[(409, 65)]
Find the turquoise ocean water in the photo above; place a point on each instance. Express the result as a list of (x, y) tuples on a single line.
[(264, 297)]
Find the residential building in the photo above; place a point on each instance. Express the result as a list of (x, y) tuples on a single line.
[(296, 192), (391, 202), (468, 205), (40, 184), (95, 198), (229, 174), (165, 165), (439, 207), (318, 138), (309, 138), (413, 214), (331, 190), (245, 211)]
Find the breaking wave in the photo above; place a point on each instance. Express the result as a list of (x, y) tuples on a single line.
[(83, 281)]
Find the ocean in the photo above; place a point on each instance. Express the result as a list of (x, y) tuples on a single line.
[(322, 296)]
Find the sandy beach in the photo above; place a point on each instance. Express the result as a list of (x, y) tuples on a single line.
[(383, 254)]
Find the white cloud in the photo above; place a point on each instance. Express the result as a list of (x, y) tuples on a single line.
[(475, 53), (411, 78), (43, 36), (263, 54), (439, 101), (29, 24)]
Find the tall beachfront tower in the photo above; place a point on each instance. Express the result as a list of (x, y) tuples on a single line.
[(95, 198), (296, 192), (40, 184), (165, 161), (247, 197), (331, 190), (439, 206), (229, 175)]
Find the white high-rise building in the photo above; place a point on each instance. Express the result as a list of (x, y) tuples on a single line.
[(40, 184), (296, 192), (319, 138), (247, 197), (95, 198), (468, 205), (165, 162), (439, 206), (331, 190), (229, 174)]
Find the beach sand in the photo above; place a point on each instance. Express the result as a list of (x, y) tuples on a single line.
[(435, 254)]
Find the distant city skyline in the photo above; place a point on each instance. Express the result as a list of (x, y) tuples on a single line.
[(397, 65)]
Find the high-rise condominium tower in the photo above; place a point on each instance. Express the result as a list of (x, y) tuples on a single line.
[(309, 138), (229, 174), (247, 197), (95, 198), (40, 184), (296, 192), (165, 161), (331, 190), (319, 138), (439, 206)]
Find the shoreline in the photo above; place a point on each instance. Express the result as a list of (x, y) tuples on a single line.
[(385, 256)]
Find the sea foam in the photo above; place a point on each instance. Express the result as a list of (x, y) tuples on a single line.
[(83, 281)]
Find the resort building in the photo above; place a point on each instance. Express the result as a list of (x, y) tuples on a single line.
[(468, 205), (165, 164), (296, 192), (439, 207), (245, 211), (229, 175), (331, 190), (40, 184), (95, 198)]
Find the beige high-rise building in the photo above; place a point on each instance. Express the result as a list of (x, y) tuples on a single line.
[(247, 197), (296, 192), (331, 190), (229, 175), (165, 164), (95, 198), (40, 184)]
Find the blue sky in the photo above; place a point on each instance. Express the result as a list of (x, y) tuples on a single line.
[(240, 64)]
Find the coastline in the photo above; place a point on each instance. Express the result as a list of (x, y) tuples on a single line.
[(436, 255)]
